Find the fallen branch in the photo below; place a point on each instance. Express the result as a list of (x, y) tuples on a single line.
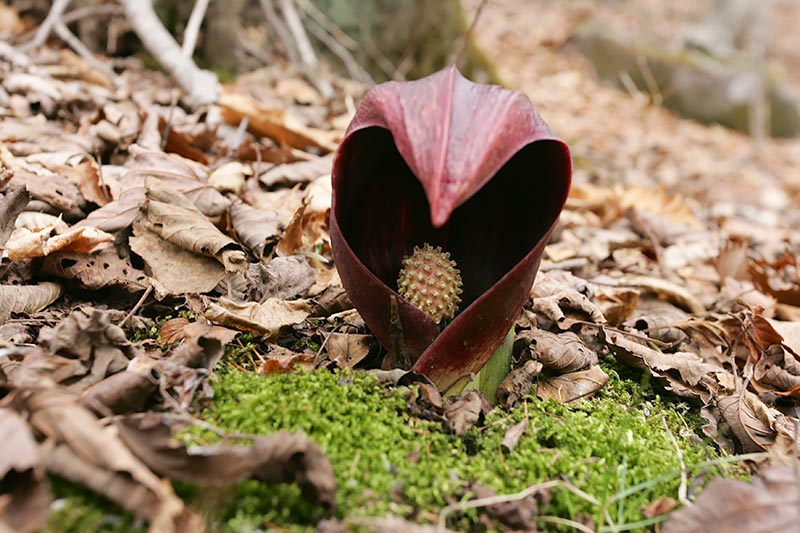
[(201, 86), (193, 27), (308, 58), (53, 16)]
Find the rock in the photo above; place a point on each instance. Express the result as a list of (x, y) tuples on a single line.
[(691, 83)]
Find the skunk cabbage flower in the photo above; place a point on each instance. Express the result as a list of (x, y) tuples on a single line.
[(443, 173)]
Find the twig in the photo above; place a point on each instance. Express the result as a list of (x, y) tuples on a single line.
[(355, 70), (201, 86), (566, 522), (94, 10), (14, 55), (193, 27), (503, 498), (308, 58), (53, 16), (283, 32), (137, 306), (682, 489), (467, 36), (80, 49)]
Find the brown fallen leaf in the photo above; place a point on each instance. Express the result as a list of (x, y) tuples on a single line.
[(96, 270), (175, 219), (561, 352), (660, 506), (174, 270), (287, 277), (291, 174), (750, 420), (282, 457), (266, 318), (463, 413), (768, 504), (88, 336), (348, 349), (518, 515), (513, 434), (517, 384), (12, 203), (78, 448), (26, 244), (258, 229), (572, 386), (25, 504), (27, 299), (557, 291), (230, 177), (275, 123)]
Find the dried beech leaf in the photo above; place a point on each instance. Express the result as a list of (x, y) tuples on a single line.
[(88, 335), (279, 458), (573, 386), (277, 124), (25, 504), (170, 215), (176, 270), (293, 173), (554, 292), (12, 203), (26, 299), (463, 413), (513, 434), (348, 349), (230, 177), (97, 270), (517, 384), (258, 229), (750, 420), (768, 504), (287, 277), (79, 449), (266, 318), (561, 352), (24, 244)]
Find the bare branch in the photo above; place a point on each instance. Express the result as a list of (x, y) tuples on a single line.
[(44, 30), (80, 49), (308, 58), (202, 87), (193, 27), (283, 32)]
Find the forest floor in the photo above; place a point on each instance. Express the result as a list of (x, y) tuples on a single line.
[(171, 314)]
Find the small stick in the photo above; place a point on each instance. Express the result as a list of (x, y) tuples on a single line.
[(80, 49), (137, 306), (53, 16), (193, 27)]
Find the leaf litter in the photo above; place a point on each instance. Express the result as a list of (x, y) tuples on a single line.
[(236, 237)]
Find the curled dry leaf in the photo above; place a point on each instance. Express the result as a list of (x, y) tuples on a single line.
[(174, 270), (293, 173), (572, 386), (464, 412), (26, 299), (348, 349), (279, 458), (277, 124), (88, 335), (750, 420), (684, 373), (258, 229), (25, 244), (230, 177), (97, 270), (517, 384), (560, 352), (266, 318), (12, 203), (768, 504), (176, 220), (287, 277), (79, 449), (26, 500), (554, 292), (672, 292)]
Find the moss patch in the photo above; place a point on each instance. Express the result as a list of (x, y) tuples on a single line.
[(387, 461), (390, 462)]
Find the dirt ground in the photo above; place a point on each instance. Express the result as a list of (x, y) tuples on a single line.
[(619, 138)]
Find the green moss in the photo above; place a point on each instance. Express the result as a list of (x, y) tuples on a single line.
[(77, 510), (387, 461)]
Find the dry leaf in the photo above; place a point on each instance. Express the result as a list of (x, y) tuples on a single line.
[(768, 504), (258, 229), (573, 386), (266, 318), (25, 503), (513, 434), (348, 349), (517, 384), (26, 299), (560, 352), (278, 458)]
